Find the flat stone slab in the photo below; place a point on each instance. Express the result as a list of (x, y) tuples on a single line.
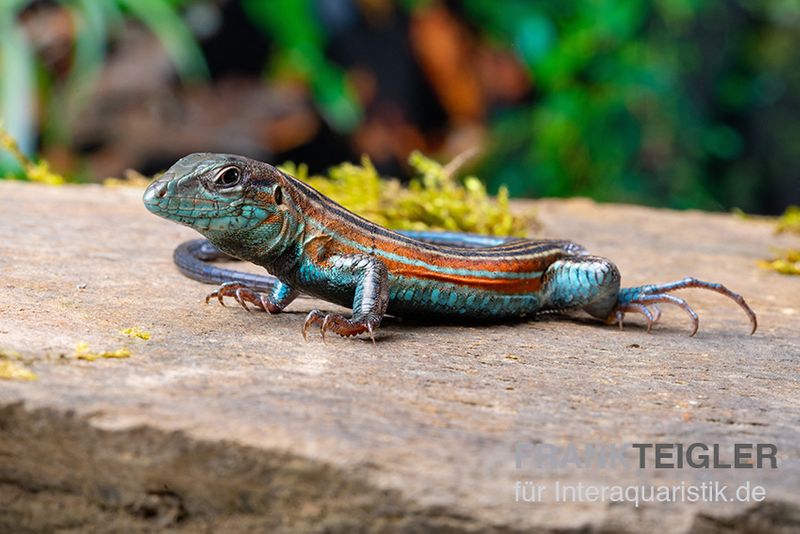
[(229, 421)]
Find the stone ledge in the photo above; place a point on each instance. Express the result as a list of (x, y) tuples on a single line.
[(229, 420)]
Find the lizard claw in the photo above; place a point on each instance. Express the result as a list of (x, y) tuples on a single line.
[(671, 299), (325, 325), (313, 317), (636, 307), (371, 331), (338, 324), (239, 295), (215, 294), (239, 292)]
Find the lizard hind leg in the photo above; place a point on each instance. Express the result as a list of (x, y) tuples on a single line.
[(587, 282), (592, 283)]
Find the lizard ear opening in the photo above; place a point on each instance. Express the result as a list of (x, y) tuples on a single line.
[(278, 195)]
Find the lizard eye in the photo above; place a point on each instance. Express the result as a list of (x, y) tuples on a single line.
[(228, 177)]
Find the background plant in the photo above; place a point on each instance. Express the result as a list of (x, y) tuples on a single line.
[(685, 103), (26, 83), (681, 103)]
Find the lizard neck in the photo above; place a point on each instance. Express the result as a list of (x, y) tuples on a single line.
[(272, 244)]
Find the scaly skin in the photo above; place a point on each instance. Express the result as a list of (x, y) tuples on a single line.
[(254, 212)]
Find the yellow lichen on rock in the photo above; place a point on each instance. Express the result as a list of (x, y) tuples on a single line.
[(82, 352), (136, 332), (788, 263), (15, 371)]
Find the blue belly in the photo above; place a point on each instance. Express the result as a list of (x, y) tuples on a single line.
[(415, 297)]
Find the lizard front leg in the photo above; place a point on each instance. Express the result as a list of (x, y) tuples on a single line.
[(280, 296), (369, 301)]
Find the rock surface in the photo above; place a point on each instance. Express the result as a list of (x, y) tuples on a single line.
[(227, 420)]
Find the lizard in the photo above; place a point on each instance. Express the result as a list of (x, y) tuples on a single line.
[(253, 211)]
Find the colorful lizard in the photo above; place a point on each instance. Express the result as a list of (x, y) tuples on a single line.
[(252, 211)]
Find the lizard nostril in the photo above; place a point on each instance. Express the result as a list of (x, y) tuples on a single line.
[(161, 190)]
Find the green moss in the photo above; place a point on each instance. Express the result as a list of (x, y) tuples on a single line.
[(433, 200), (82, 352), (790, 220), (34, 171), (787, 263), (136, 332)]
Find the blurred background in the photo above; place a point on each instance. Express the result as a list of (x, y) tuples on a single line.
[(679, 103)]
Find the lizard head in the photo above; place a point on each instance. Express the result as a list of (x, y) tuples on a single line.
[(222, 196)]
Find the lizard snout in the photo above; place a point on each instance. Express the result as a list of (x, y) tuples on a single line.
[(154, 193)]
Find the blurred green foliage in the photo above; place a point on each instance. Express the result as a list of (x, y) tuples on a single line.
[(646, 101), (301, 42), (663, 102), (24, 79)]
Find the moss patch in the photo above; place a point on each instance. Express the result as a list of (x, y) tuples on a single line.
[(433, 200)]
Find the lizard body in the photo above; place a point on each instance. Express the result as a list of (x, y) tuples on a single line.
[(254, 212)]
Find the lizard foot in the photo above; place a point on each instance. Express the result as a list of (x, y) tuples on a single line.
[(241, 293), (339, 324), (637, 299)]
